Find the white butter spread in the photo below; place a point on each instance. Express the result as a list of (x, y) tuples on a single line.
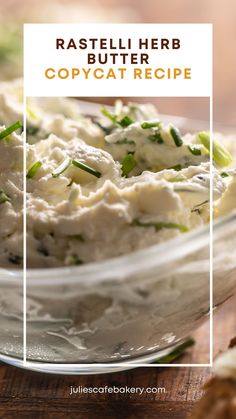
[(103, 186)]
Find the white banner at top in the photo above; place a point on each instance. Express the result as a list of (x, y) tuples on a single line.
[(118, 60)]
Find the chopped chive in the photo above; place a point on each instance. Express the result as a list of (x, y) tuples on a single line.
[(32, 171), (147, 125), (176, 353), (128, 164), (60, 169), (31, 113), (220, 154), (3, 197), (86, 168), (156, 138), (109, 115), (177, 167), (10, 130), (124, 122), (161, 225), (175, 134), (194, 150), (224, 174), (66, 164), (125, 141)]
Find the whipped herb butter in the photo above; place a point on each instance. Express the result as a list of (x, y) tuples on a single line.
[(100, 187)]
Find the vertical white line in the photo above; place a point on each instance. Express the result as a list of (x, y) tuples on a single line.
[(211, 212), (24, 210)]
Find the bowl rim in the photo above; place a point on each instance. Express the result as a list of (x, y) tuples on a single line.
[(120, 267)]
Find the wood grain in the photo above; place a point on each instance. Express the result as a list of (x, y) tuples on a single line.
[(25, 394)]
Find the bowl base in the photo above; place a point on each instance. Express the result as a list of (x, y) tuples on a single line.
[(94, 368)]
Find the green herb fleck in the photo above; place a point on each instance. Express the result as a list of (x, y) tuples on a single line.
[(109, 115), (176, 353), (124, 122), (68, 162), (161, 225), (177, 167), (33, 170), (220, 154), (128, 164), (224, 174), (3, 197), (86, 168), (175, 134), (63, 166), (10, 130), (194, 150), (125, 141), (31, 113), (147, 125), (156, 138)]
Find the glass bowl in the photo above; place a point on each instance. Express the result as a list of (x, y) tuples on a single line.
[(127, 310), (118, 313)]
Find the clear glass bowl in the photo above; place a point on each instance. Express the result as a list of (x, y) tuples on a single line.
[(115, 314), (130, 309)]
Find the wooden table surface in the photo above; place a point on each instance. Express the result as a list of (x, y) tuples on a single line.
[(25, 394)]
